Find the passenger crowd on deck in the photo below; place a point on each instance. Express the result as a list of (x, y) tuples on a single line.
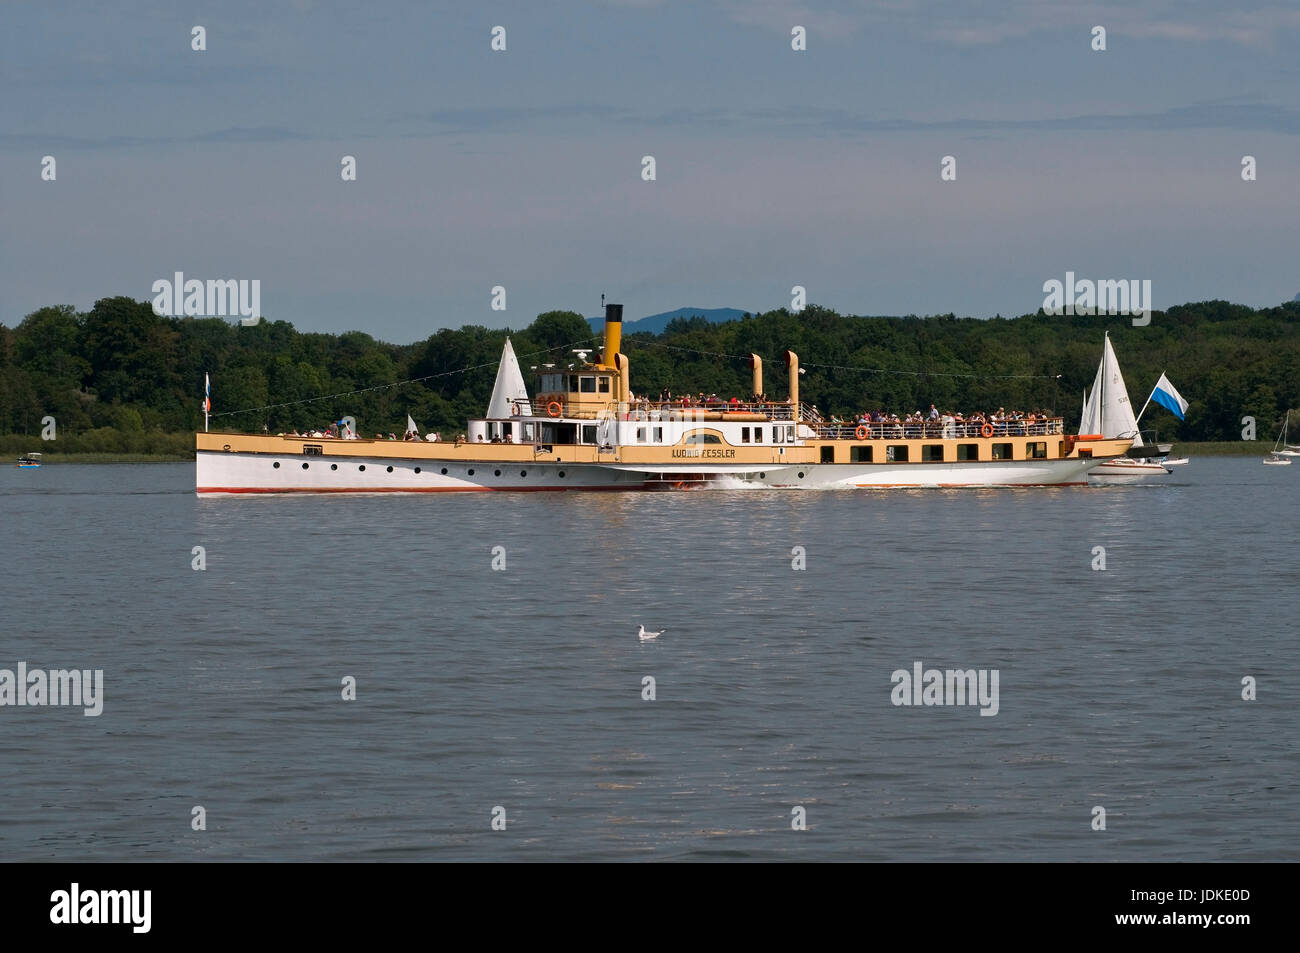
[(878, 424), (940, 423)]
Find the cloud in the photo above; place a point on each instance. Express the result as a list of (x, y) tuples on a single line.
[(969, 25), (1239, 113), (233, 134)]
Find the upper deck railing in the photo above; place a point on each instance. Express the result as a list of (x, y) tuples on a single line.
[(663, 409), (940, 430)]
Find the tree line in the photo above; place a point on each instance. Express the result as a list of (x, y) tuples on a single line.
[(122, 372)]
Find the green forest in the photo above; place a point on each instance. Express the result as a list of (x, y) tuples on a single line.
[(119, 378)]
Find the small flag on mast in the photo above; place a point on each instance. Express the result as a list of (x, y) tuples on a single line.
[(207, 400), (1167, 396)]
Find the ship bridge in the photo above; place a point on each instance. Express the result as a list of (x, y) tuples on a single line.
[(591, 403)]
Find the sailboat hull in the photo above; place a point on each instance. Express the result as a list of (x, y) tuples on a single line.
[(1123, 471)]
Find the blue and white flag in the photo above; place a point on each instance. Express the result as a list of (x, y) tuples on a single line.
[(207, 394), (1167, 396)]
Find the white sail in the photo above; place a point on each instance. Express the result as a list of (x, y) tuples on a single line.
[(1090, 421), (1107, 410), (509, 392)]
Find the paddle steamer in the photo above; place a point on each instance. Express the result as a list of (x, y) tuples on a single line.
[(584, 430)]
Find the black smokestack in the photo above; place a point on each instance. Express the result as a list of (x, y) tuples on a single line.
[(613, 333)]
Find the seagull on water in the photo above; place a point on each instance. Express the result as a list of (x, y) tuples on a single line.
[(645, 636)]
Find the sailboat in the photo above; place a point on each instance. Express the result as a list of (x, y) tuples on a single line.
[(1107, 412), (1288, 449), (1282, 450)]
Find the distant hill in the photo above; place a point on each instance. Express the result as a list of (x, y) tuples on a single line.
[(656, 323)]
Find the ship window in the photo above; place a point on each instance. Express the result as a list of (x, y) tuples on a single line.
[(312, 450), (777, 433), (587, 385), (968, 451), (1085, 454), (640, 435), (604, 385), (573, 383), (932, 452), (703, 438), (659, 434), (1002, 451), (744, 435), (860, 454), (789, 434), (828, 454), (896, 453), (1038, 450), (588, 433), (758, 435)]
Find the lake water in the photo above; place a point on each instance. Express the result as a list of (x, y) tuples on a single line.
[(522, 688)]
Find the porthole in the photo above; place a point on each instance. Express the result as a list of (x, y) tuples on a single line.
[(306, 465), (444, 471), (334, 466), (801, 474), (561, 474), (276, 465), (762, 476), (523, 473), (390, 470), (470, 471), (417, 469), (496, 472), (226, 447), (362, 467)]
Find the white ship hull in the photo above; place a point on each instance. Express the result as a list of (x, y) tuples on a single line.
[(218, 473)]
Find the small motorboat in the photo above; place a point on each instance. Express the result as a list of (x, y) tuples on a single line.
[(29, 461), (1276, 461)]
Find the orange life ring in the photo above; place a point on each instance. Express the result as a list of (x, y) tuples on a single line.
[(986, 430), (554, 408), (861, 433)]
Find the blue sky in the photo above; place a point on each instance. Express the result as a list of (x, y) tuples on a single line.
[(775, 168)]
